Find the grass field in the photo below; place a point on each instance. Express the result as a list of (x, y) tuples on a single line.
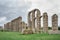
[(18, 36)]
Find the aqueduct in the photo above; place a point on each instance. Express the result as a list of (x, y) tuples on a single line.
[(34, 23)]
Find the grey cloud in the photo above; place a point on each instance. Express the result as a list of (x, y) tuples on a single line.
[(14, 8), (10, 9)]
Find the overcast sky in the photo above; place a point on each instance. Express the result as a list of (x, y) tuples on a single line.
[(11, 9)]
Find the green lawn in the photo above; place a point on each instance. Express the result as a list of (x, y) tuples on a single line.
[(18, 36)]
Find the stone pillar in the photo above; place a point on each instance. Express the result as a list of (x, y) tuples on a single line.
[(54, 22), (9, 26), (23, 26), (14, 25), (38, 21), (45, 22), (20, 23), (5, 27), (33, 21), (29, 20)]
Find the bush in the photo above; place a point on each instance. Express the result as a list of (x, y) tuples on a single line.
[(58, 28), (1, 30), (49, 28)]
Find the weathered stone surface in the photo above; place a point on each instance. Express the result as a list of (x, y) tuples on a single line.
[(9, 25), (24, 25), (55, 22), (34, 23), (13, 25), (38, 20), (19, 20), (31, 21), (54, 32), (27, 31), (45, 22)]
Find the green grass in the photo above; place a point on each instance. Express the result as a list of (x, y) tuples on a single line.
[(18, 36)]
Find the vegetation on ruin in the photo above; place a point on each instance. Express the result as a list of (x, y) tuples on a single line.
[(18, 36)]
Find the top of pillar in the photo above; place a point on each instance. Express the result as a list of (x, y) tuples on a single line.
[(36, 10), (55, 15), (45, 13)]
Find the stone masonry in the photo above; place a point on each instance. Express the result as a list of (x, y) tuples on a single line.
[(34, 23), (14, 25), (38, 17), (45, 22), (54, 22)]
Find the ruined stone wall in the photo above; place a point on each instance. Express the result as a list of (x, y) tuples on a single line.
[(13, 25), (16, 24), (9, 25), (19, 21), (24, 25)]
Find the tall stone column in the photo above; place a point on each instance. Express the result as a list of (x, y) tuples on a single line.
[(33, 21), (38, 21), (54, 22), (13, 25), (16, 25), (5, 26), (24, 25), (45, 22), (29, 20), (9, 26), (20, 24)]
